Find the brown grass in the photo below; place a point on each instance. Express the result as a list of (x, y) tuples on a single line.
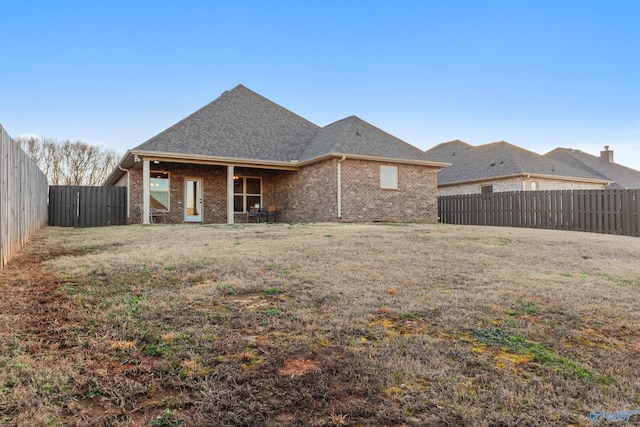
[(319, 325)]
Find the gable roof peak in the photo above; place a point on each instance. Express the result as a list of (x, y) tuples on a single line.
[(353, 135), (240, 123)]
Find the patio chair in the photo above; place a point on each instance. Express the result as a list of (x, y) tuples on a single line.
[(157, 214), (254, 213), (153, 214), (271, 214)]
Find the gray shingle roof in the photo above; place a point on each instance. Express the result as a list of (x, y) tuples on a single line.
[(622, 176), (446, 151), (241, 124), (353, 135), (495, 160)]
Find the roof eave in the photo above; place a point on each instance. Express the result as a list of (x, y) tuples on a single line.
[(334, 155), (528, 175), (117, 173), (214, 160), (129, 160)]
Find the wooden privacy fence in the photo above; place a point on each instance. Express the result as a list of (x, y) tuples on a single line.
[(85, 206), (23, 197), (597, 211)]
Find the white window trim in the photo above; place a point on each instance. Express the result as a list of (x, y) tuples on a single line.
[(388, 177)]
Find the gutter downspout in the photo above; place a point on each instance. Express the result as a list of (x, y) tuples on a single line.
[(128, 190), (340, 186)]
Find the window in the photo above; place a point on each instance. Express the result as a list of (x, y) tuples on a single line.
[(486, 189), (389, 177), (159, 190), (247, 192)]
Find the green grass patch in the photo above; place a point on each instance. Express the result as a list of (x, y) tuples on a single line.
[(227, 289), (524, 308), (271, 291), (519, 344), (167, 418)]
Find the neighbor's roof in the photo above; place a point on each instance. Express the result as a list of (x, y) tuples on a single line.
[(446, 151), (498, 160), (622, 176)]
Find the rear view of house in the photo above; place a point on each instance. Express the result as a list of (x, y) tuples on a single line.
[(242, 150)]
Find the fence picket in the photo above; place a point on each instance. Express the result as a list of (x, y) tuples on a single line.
[(86, 206), (23, 197), (612, 211)]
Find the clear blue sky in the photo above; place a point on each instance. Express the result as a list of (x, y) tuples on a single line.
[(539, 74)]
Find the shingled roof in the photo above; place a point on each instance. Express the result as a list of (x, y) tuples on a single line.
[(241, 124), (622, 176), (446, 151), (354, 136), (496, 160)]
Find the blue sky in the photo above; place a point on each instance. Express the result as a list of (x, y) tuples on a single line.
[(538, 74)]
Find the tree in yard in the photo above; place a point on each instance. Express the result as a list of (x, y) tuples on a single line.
[(70, 162)]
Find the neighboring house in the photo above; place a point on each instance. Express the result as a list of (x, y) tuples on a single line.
[(501, 166), (603, 166), (242, 149)]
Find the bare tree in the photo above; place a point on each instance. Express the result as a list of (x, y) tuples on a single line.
[(70, 162)]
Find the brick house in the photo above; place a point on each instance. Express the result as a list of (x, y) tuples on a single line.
[(243, 150), (500, 166)]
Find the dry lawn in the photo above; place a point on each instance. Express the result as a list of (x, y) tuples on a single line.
[(319, 325)]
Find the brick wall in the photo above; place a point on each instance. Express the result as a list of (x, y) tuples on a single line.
[(311, 194), (415, 200), (517, 184), (214, 190), (307, 195)]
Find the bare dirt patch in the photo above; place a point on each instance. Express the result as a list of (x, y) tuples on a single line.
[(326, 324)]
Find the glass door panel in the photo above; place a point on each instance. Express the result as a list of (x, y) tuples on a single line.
[(193, 200)]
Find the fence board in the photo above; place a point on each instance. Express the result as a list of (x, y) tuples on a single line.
[(86, 206), (23, 197), (601, 211)]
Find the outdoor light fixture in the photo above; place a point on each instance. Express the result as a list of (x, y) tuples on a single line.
[(136, 158), (156, 161)]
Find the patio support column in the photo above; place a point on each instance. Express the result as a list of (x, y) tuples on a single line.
[(146, 180), (230, 173)]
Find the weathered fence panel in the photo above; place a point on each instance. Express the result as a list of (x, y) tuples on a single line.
[(86, 206), (597, 211), (23, 197)]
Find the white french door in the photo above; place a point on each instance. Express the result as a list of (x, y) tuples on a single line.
[(193, 200)]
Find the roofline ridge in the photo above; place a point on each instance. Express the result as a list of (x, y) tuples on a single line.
[(388, 134), (223, 94)]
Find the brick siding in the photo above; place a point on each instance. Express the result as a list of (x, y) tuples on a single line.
[(517, 184), (307, 195), (415, 200)]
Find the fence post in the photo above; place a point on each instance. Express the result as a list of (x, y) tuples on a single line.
[(601, 211)]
